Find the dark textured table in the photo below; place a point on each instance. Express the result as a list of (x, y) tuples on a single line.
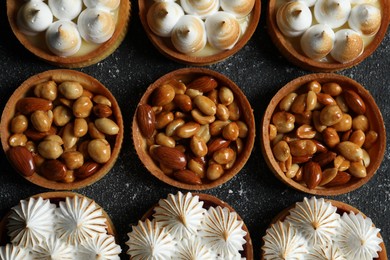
[(259, 69)]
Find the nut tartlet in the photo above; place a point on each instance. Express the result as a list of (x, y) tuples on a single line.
[(181, 138), (192, 202), (314, 48), (340, 210), (88, 52), (198, 52), (57, 141), (306, 150), (55, 203)]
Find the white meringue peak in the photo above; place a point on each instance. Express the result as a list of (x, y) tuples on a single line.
[(189, 34), (31, 221), (13, 252), (201, 8), (293, 18), (317, 41), (34, 17), (163, 16), (309, 3), (223, 30), (192, 249), (316, 219), (106, 4), (365, 19), (65, 9), (181, 214), (63, 38), (348, 46), (148, 240), (358, 238), (222, 232), (334, 13), (282, 241), (330, 251), (239, 8), (79, 218), (95, 25), (100, 247), (53, 248)]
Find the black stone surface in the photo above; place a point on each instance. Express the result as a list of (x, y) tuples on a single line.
[(259, 69)]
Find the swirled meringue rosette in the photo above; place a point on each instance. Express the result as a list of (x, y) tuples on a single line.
[(322, 229)]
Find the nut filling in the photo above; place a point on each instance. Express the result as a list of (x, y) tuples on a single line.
[(61, 131), (320, 135), (194, 131)]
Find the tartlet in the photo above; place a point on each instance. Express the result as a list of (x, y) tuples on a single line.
[(89, 53), (372, 112), (164, 44), (342, 209), (142, 144), (26, 89), (290, 47), (50, 244), (208, 202)]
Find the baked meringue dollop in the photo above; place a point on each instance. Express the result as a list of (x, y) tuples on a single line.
[(334, 13), (100, 247), (293, 18), (66, 9), (95, 25), (163, 16), (223, 30), (63, 38), (201, 8), (317, 41), (34, 17), (189, 34), (239, 8), (348, 46), (13, 252), (54, 249), (107, 4), (365, 19)]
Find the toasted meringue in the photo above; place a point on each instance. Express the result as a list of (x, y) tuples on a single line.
[(180, 214), (315, 219), (192, 249), (239, 8), (293, 18), (223, 30), (365, 19), (189, 34), (13, 252), (201, 8), (78, 219), (63, 38), (330, 251), (95, 25), (34, 17), (65, 9), (148, 240), (317, 41), (101, 247), (282, 241), (107, 4), (334, 13), (31, 221), (223, 232), (53, 248), (162, 17), (348, 46)]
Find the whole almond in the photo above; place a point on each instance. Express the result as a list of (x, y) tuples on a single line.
[(30, 104), (101, 110), (203, 84), (312, 174), (340, 179), (216, 144), (163, 95), (146, 120), (324, 158), (187, 176), (22, 160), (170, 157), (34, 135), (354, 102), (53, 170), (87, 169)]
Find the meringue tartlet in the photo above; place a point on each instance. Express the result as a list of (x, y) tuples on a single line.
[(199, 33), (70, 34), (327, 35)]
